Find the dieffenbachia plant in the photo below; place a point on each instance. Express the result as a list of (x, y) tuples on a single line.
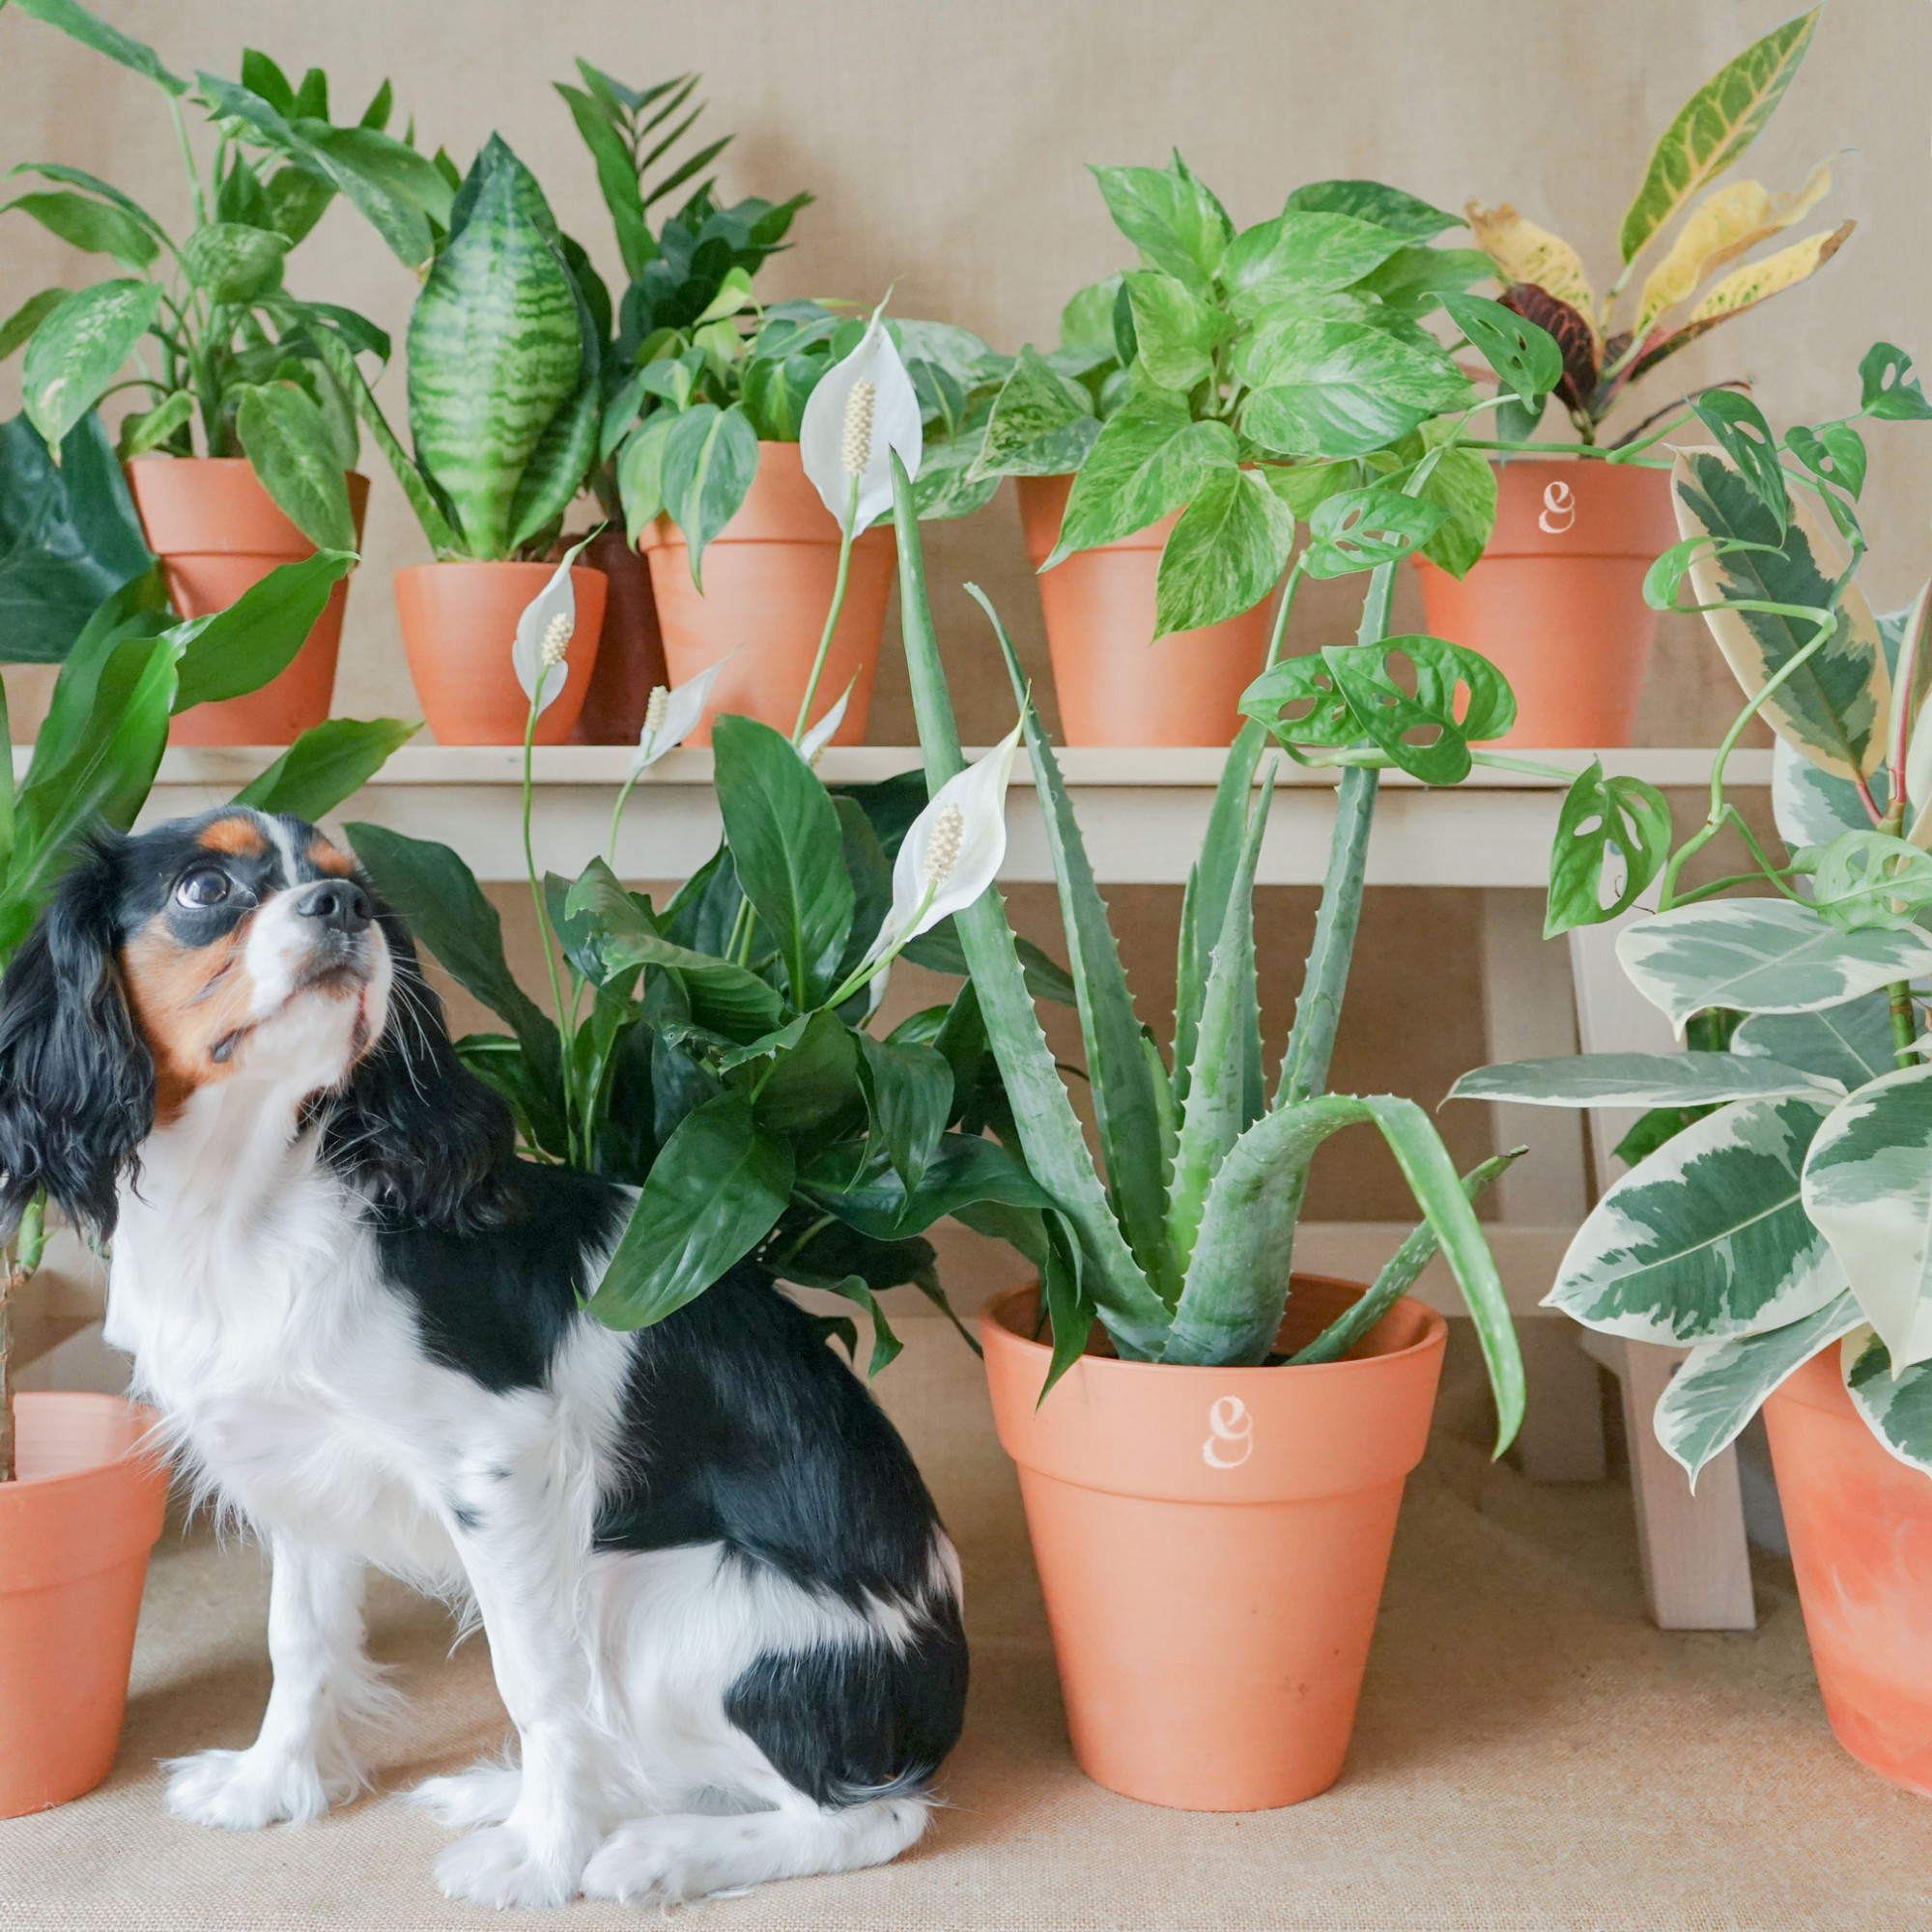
[(1183, 1249), (1677, 303), (133, 667), (1786, 1202), (1247, 376), (218, 342)]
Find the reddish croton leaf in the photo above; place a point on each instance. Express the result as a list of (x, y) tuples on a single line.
[(1574, 336)]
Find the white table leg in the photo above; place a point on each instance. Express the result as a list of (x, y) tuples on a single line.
[(1696, 1569)]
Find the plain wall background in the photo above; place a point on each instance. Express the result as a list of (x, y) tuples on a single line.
[(945, 144)]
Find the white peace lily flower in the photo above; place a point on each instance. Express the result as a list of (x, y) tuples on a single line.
[(863, 410), (953, 850), (672, 716), (544, 633), (820, 735)]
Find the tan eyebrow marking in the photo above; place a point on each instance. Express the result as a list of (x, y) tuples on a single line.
[(235, 837)]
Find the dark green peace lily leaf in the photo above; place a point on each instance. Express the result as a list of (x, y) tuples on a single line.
[(811, 1080), (1428, 732), (1361, 528), (326, 764), (1150, 457), (909, 1091), (1225, 554), (1613, 837)]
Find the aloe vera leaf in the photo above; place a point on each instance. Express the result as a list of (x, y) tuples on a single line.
[(1050, 1136), (1212, 1119), (1124, 1104)]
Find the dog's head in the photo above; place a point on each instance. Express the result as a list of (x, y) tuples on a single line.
[(234, 947)]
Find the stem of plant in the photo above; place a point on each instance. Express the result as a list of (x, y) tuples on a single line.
[(845, 538), (546, 937), (187, 162)]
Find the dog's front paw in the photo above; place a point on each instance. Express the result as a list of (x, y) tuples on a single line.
[(501, 1866), (241, 1791)]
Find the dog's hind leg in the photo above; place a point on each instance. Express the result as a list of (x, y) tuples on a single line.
[(672, 1859), (486, 1794)]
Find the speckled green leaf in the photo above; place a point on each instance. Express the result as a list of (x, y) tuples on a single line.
[(75, 351), (1149, 458), (1225, 554), (1041, 423)]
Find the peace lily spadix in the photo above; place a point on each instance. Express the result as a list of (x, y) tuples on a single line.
[(543, 636), (673, 715)]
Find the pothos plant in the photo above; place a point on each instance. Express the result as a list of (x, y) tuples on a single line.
[(1247, 376), (228, 361), (1785, 1203), (1677, 303), (132, 668)]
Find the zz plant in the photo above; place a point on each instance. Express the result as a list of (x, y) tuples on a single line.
[(1785, 1201)]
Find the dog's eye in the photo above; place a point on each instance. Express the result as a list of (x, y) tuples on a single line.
[(205, 887)]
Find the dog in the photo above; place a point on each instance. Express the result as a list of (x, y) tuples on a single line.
[(721, 1608)]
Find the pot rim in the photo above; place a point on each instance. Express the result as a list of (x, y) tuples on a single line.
[(494, 563), (146, 1449)]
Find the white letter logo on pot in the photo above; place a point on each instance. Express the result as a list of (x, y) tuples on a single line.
[(1230, 1433), (1559, 509)]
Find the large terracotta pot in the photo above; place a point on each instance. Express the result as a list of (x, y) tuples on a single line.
[(217, 533), (1556, 601), (1861, 1528), (459, 622), (1114, 686), (76, 1531), (768, 577), (629, 648), (1212, 1545)]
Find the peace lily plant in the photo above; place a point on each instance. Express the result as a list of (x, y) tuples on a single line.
[(1781, 1195)]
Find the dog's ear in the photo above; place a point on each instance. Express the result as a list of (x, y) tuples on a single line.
[(77, 1080), (414, 1128)]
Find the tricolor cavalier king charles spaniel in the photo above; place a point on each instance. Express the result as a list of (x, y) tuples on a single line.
[(721, 1608)]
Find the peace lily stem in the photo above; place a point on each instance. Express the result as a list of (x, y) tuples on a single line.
[(859, 411), (556, 640), (654, 712)]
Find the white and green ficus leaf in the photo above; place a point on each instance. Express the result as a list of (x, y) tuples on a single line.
[(1708, 1238), (1640, 1080), (1769, 955), (1897, 1408), (1850, 1045), (1809, 806)]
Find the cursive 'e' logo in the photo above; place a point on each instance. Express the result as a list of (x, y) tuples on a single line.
[(1230, 1433), (1559, 509)]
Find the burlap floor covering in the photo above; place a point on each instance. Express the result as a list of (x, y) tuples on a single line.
[(1531, 1753)]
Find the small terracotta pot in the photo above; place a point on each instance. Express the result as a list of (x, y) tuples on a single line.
[(217, 533), (629, 648), (1212, 1545), (1861, 1527), (1114, 685), (76, 1531), (1556, 601), (768, 577), (459, 622)]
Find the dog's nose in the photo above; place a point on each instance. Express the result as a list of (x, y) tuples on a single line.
[(340, 904)]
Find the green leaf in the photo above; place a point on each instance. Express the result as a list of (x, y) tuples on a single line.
[(261, 75), (238, 649), (1149, 458), (1833, 452), (1765, 956), (1850, 1045), (1751, 443), (713, 1192), (297, 201), (1890, 391), (813, 1080), (1897, 1409), (75, 351), (1358, 529), (1176, 332), (28, 317), (230, 262), (1613, 837), (616, 178), (1300, 706), (1070, 1310), (1087, 321), (329, 763), (91, 31), (1428, 734), (1327, 388), (1715, 127), (640, 474), (1526, 358), (1708, 1238), (909, 1095), (1225, 554), (1414, 280), (1722, 1384), (965, 1169), (710, 456), (289, 445), (99, 227), (149, 429), (1463, 483), (1377, 203), (1041, 423), (1302, 252), (398, 192), (1635, 1080), (1170, 217), (68, 537)]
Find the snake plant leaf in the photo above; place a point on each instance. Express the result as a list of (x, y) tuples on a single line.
[(1443, 673), (1708, 1238), (288, 445), (495, 351), (1174, 220), (1641, 1080), (1851, 1043), (1890, 391), (710, 456), (1722, 1384), (1896, 1405), (1373, 202), (1725, 225), (1524, 253), (1126, 1106), (1150, 457), (1042, 424), (1334, 388), (1358, 529), (327, 763), (1764, 955), (1301, 253), (1835, 707), (91, 31), (1715, 127), (1612, 839), (1868, 1187), (73, 355)]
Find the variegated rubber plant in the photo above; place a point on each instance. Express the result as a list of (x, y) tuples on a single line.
[(1781, 1195), (1605, 351)]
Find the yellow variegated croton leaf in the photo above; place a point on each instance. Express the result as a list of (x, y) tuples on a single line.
[(1523, 252), (1743, 287)]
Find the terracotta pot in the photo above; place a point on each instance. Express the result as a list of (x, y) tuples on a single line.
[(1861, 1527), (1212, 1545), (1556, 601), (459, 622), (76, 1531), (768, 577), (1115, 687), (217, 533), (630, 649)]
